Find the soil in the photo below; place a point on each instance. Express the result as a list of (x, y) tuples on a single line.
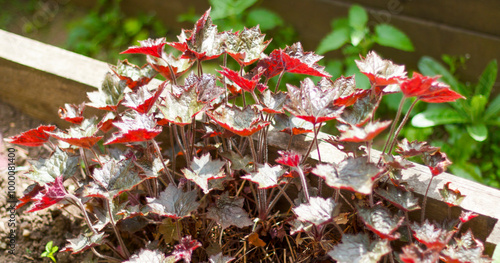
[(34, 230)]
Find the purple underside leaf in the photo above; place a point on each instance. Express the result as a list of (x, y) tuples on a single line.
[(403, 200), (140, 128), (409, 149), (379, 220), (361, 111), (267, 176), (150, 256), (431, 235), (465, 249), (291, 124), (32, 138), (109, 94), (58, 164), (359, 248), (219, 258), (152, 47), (243, 122), (414, 254), (365, 133), (272, 102), (174, 203), (318, 211), (311, 103), (246, 46), (114, 178), (84, 242), (247, 82), (133, 75), (52, 194), (354, 174), (204, 169), (449, 196), (229, 212)]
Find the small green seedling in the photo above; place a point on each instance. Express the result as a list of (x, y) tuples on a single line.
[(50, 250)]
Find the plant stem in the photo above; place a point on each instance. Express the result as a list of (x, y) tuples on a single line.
[(117, 232), (304, 183), (279, 81), (110, 259), (174, 155), (311, 145), (408, 226), (261, 193), (169, 175), (84, 212), (422, 216), (403, 122), (393, 126)]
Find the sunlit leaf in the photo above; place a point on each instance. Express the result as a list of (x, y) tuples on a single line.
[(229, 212), (291, 124), (358, 248), (465, 216), (109, 95), (247, 82), (354, 174), (363, 134), (311, 103), (142, 99), (33, 138), (345, 146), (182, 108), (361, 111), (133, 75), (272, 102), (243, 122), (436, 161), (246, 46), (409, 149), (379, 220), (204, 169), (152, 47), (347, 93), (267, 176), (174, 203), (146, 255), (72, 113), (466, 249), (28, 194), (414, 254), (179, 65), (428, 89), (184, 250), (399, 198), (289, 158), (58, 164), (318, 211), (449, 196), (83, 135), (53, 193), (381, 72), (140, 128), (396, 162), (431, 235)]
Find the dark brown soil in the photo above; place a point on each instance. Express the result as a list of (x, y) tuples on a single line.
[(33, 230)]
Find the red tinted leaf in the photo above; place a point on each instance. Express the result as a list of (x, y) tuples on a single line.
[(467, 249), (83, 242), (106, 122), (354, 174), (441, 96), (152, 47), (428, 89), (52, 194), (465, 216), (267, 176), (381, 72), (272, 102), (414, 254), (289, 158), (149, 256), (417, 86), (379, 220), (133, 75), (246, 46), (318, 211), (142, 100), (203, 42), (291, 124), (80, 136), (248, 82), (141, 128), (437, 162), (109, 95), (451, 197), (174, 203), (72, 113), (409, 149), (32, 138), (311, 103), (430, 235), (179, 65), (293, 59), (359, 248), (204, 169), (401, 199), (347, 94), (229, 212), (346, 147), (243, 122), (28, 195), (366, 133), (185, 248)]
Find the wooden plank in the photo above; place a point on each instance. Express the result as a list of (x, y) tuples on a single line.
[(34, 84)]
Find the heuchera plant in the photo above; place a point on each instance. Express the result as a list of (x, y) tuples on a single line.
[(175, 172)]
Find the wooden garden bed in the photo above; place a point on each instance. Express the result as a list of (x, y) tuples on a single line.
[(38, 78)]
